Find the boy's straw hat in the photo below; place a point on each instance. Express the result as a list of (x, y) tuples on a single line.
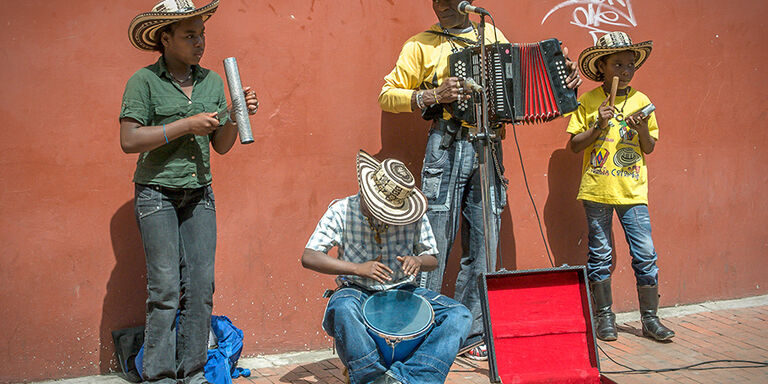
[(608, 44), (143, 29), (388, 189)]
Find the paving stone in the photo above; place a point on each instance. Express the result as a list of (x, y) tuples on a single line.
[(736, 334)]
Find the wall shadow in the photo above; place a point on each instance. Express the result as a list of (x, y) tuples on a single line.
[(126, 292), (507, 246), (506, 253), (404, 137), (566, 224)]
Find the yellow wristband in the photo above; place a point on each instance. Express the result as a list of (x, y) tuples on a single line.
[(437, 100)]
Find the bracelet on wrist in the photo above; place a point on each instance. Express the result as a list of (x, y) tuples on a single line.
[(437, 99), (420, 100)]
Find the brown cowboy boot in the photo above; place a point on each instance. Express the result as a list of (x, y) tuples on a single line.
[(606, 320), (648, 296)]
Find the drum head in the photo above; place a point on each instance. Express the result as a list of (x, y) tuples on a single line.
[(397, 313)]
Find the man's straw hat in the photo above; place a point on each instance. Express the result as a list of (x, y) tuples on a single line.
[(388, 189)]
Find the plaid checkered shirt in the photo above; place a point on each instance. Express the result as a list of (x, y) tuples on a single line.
[(344, 226)]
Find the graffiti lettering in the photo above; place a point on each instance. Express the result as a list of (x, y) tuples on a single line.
[(596, 15)]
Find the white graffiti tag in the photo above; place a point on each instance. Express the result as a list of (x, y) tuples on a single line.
[(598, 15)]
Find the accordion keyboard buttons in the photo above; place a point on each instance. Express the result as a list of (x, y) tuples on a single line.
[(460, 70)]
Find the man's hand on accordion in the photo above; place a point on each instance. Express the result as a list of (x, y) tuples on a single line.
[(452, 89), (574, 79)]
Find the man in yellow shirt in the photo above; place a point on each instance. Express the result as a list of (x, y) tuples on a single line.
[(615, 140), (450, 181)]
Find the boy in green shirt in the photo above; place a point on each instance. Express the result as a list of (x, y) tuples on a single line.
[(171, 115)]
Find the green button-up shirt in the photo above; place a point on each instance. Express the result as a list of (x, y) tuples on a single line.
[(152, 98)]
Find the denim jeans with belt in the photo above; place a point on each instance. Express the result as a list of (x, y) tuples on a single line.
[(178, 229), (637, 229), (429, 363), (451, 182)]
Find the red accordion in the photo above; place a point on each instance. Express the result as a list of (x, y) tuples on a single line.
[(525, 82)]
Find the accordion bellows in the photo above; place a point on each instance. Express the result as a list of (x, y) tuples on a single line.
[(525, 82)]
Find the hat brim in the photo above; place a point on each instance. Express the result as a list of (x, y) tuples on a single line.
[(589, 57), (413, 208), (143, 29)]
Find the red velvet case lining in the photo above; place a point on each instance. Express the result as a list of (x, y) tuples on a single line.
[(540, 328)]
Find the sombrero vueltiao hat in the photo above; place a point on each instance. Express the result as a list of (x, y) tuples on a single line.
[(388, 189), (608, 44), (143, 29)]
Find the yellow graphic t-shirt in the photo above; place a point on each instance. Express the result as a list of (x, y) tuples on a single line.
[(613, 169)]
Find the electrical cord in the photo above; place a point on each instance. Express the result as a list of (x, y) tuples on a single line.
[(693, 367), (530, 196), (501, 176), (522, 166)]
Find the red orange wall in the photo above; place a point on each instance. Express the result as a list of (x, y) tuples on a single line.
[(71, 263)]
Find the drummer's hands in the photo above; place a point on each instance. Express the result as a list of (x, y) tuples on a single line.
[(573, 80), (411, 264), (375, 270)]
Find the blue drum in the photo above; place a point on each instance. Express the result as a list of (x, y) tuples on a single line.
[(398, 321)]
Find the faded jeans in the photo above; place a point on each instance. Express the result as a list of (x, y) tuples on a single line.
[(637, 229), (178, 229), (429, 363), (451, 182)]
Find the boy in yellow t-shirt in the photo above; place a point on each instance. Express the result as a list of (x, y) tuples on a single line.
[(615, 140)]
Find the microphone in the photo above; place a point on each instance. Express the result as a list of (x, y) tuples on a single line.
[(466, 8)]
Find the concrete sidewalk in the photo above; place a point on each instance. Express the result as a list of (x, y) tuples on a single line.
[(725, 330)]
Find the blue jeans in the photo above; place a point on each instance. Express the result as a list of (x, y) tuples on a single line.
[(429, 363), (451, 183), (178, 229), (637, 229)]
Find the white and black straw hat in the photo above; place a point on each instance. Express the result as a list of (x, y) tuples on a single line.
[(143, 29), (388, 189), (608, 44)]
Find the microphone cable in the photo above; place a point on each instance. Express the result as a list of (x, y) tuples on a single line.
[(692, 367), (530, 196), (522, 165)]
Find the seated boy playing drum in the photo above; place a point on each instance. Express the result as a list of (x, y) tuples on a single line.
[(384, 241)]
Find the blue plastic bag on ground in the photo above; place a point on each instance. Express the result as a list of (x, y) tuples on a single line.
[(221, 366)]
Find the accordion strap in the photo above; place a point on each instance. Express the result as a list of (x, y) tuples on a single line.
[(453, 37)]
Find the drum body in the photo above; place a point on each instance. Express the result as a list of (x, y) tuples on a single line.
[(398, 321)]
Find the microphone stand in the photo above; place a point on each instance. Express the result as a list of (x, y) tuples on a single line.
[(482, 141)]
